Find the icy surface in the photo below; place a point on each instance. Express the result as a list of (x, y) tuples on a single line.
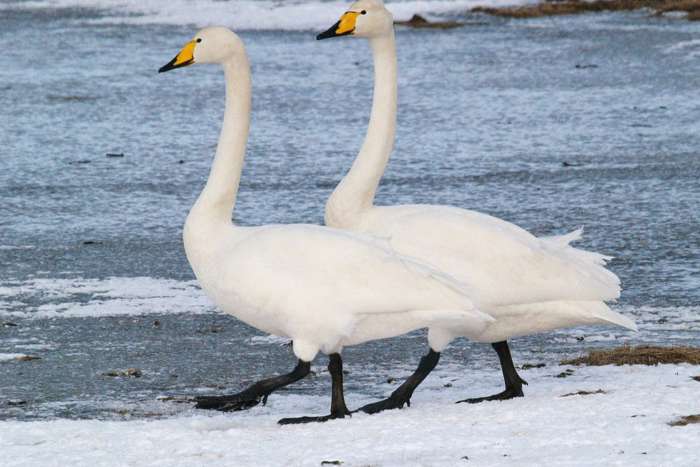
[(8, 357), (627, 425), (115, 296), (289, 15), (550, 123)]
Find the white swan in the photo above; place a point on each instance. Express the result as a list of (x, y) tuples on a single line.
[(323, 288), (528, 284)]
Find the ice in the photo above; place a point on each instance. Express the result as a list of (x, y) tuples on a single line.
[(507, 104), (250, 14), (689, 49), (115, 296), (267, 340), (9, 357)]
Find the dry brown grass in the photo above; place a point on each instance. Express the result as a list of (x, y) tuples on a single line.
[(690, 6), (687, 420), (642, 355), (571, 7), (417, 21), (27, 358)]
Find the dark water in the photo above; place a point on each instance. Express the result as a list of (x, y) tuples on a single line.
[(551, 124)]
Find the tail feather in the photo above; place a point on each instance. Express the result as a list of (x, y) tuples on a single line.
[(564, 240), (590, 263), (613, 317)]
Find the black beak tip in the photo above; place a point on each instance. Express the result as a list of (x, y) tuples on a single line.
[(168, 66), (171, 65), (329, 32), (325, 35)]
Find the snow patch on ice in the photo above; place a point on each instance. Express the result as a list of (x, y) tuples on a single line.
[(267, 340), (115, 296), (689, 48), (9, 357), (34, 346)]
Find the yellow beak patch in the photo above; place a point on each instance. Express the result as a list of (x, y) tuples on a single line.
[(184, 58), (186, 54), (347, 23)]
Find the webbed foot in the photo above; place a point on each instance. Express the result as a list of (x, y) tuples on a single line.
[(231, 403), (390, 403), (511, 393), (325, 418)]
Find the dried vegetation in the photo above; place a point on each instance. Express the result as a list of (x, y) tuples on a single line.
[(642, 355), (571, 7)]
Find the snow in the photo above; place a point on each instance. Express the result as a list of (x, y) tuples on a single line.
[(628, 425), (115, 296), (34, 346), (9, 357)]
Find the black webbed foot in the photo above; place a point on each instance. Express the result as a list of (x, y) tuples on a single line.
[(255, 394), (514, 383), (338, 407), (402, 395), (232, 403), (390, 403), (511, 393), (325, 418)]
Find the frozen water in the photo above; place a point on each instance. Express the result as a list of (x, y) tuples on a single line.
[(550, 123), (291, 15)]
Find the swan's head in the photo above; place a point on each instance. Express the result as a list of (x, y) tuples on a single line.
[(364, 18), (215, 44)]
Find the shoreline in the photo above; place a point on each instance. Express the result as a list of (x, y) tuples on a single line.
[(691, 8), (684, 9)]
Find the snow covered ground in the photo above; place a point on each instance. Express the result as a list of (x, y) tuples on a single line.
[(626, 425)]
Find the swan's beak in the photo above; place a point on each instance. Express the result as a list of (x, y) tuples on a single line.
[(345, 26), (184, 58)]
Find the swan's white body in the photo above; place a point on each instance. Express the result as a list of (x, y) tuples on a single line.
[(324, 288), (528, 284)]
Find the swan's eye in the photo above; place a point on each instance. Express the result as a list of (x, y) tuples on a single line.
[(199, 39), (363, 12)]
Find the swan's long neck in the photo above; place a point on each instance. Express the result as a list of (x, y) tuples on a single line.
[(356, 191), (218, 198)]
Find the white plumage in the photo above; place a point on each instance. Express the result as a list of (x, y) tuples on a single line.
[(324, 288), (528, 284)]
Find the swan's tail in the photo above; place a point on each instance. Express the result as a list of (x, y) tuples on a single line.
[(547, 316), (589, 263), (613, 317), (564, 241)]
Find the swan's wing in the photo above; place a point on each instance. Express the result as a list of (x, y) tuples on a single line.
[(321, 271), (500, 262)]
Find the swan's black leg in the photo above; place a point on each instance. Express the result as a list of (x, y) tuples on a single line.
[(514, 383), (402, 395), (255, 394), (338, 408)]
